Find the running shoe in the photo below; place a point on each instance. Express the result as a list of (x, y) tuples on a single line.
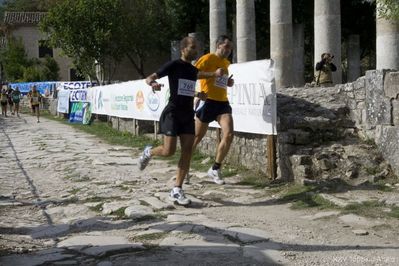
[(145, 158), (177, 195), (216, 176)]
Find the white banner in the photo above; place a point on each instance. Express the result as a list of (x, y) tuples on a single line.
[(63, 101), (69, 85), (253, 98), (79, 95), (133, 99)]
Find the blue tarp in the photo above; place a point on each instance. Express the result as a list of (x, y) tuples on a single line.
[(25, 87)]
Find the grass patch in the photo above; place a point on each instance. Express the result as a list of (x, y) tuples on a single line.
[(372, 170), (150, 237), (394, 212), (150, 217), (120, 213), (304, 197), (373, 209), (74, 191), (102, 199), (97, 208), (255, 181), (104, 131)]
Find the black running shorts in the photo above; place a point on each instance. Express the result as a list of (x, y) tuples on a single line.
[(34, 107), (211, 109), (174, 122)]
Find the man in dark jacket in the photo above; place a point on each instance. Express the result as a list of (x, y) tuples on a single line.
[(324, 70)]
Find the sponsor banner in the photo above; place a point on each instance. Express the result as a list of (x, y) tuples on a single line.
[(79, 95), (80, 113), (45, 87), (253, 97), (73, 85), (63, 101), (133, 99)]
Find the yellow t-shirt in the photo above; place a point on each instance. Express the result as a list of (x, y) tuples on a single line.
[(216, 88), (35, 98)]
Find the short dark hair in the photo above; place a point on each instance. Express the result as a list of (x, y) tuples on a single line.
[(185, 41), (221, 39)]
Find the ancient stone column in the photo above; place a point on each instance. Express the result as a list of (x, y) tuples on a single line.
[(327, 33), (387, 43), (200, 41), (246, 34), (353, 55), (174, 50), (217, 21), (281, 50), (299, 55)]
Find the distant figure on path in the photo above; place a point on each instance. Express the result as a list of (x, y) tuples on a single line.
[(16, 98), (177, 119), (35, 102), (10, 102), (4, 101)]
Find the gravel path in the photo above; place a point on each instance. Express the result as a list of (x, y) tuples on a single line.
[(68, 198)]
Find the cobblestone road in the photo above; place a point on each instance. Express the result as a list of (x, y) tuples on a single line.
[(67, 198)]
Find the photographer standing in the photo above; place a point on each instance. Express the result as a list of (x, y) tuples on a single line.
[(324, 70)]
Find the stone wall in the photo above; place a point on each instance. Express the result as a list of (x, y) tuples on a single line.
[(318, 130), (373, 101)]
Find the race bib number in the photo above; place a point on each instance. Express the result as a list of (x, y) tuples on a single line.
[(186, 87), (221, 82), (35, 99)]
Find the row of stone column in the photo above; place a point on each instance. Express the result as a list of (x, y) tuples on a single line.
[(287, 40)]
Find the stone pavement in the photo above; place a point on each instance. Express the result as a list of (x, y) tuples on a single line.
[(67, 198)]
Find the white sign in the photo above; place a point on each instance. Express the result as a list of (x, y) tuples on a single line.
[(79, 95), (133, 99), (63, 101), (253, 97), (74, 85)]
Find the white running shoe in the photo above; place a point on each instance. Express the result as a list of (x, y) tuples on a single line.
[(177, 195), (145, 158), (216, 176)]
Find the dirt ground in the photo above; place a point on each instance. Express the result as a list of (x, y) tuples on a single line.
[(68, 198)]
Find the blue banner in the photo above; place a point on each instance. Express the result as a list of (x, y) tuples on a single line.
[(46, 87)]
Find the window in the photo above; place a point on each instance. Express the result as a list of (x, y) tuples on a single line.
[(44, 49), (75, 76)]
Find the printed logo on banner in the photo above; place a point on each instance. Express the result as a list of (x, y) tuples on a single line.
[(153, 101), (78, 95), (140, 100)]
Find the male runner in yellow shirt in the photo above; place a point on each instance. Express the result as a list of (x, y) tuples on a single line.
[(216, 107)]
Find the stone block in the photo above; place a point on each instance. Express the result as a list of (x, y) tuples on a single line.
[(302, 171), (395, 112), (391, 85), (301, 160)]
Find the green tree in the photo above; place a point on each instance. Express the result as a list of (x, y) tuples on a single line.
[(14, 60), (388, 9), (88, 31), (19, 68), (101, 31)]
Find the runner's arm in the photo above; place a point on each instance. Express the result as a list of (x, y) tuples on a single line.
[(151, 81), (204, 75)]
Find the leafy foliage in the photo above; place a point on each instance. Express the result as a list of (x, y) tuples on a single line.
[(388, 9), (18, 67), (104, 31)]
